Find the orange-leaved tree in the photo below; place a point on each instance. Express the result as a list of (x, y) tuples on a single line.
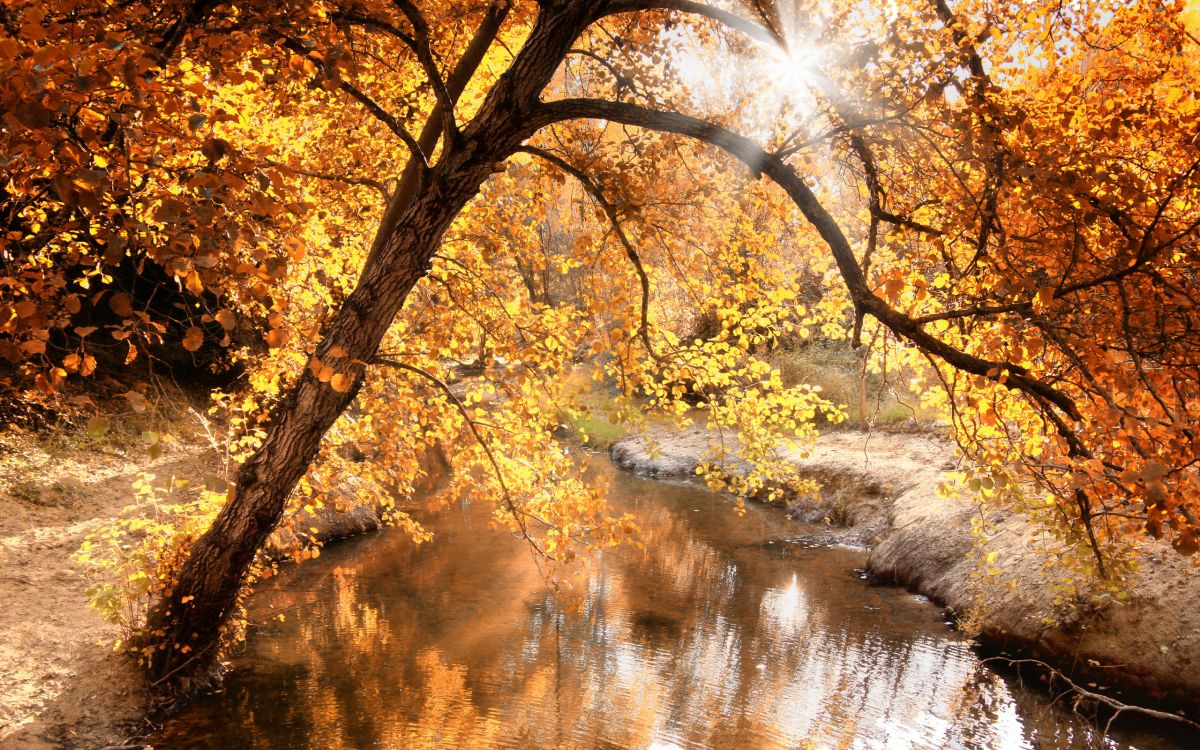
[(1008, 190)]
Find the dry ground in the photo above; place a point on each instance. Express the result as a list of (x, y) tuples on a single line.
[(61, 685)]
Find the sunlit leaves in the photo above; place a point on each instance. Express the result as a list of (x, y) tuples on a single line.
[(1017, 182)]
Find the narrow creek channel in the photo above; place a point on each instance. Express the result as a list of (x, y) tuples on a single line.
[(720, 633)]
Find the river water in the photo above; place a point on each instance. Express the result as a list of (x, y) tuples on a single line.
[(720, 633)]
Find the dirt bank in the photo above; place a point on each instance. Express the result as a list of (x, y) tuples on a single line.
[(881, 492), (61, 685)]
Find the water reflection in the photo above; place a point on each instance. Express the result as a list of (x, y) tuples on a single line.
[(717, 634)]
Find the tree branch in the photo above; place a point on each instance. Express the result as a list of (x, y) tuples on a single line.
[(593, 188), (516, 513), (1117, 706), (760, 162), (330, 177), (424, 50), (410, 179), (372, 106), (392, 123), (732, 20)]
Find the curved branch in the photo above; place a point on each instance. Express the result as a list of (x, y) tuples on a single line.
[(1115, 705), (516, 512), (732, 20), (370, 22), (388, 119), (372, 106), (760, 162), (332, 177), (424, 50), (410, 179)]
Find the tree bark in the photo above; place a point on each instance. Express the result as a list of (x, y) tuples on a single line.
[(184, 631)]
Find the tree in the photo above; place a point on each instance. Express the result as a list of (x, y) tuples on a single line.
[(1008, 191)]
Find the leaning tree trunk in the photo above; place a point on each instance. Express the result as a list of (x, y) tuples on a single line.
[(186, 627), (184, 630)]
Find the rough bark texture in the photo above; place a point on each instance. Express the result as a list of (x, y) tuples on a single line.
[(186, 626)]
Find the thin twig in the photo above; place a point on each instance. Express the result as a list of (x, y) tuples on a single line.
[(516, 513), (1117, 706), (593, 188)]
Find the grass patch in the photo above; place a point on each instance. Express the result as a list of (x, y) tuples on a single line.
[(597, 431), (876, 401)]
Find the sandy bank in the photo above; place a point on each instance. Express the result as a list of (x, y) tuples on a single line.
[(61, 685), (880, 491)]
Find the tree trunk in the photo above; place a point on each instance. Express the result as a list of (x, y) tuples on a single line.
[(185, 629)]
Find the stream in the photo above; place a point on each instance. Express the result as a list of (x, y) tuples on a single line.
[(719, 633)]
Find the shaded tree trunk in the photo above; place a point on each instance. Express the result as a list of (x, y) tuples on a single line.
[(185, 628)]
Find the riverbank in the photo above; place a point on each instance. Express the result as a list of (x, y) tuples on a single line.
[(61, 683), (61, 686), (880, 491)]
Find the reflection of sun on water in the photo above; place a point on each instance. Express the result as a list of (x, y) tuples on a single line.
[(786, 608), (699, 642)]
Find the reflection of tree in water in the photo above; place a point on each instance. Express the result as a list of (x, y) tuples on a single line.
[(707, 637)]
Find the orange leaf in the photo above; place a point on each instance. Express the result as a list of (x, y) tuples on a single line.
[(193, 339), (341, 382), (121, 304), (276, 338), (194, 285)]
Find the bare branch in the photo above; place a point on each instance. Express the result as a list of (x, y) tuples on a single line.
[(1117, 706), (732, 20), (410, 179), (424, 50), (331, 177), (372, 106), (388, 119), (516, 512)]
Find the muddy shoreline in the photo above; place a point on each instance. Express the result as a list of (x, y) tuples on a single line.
[(880, 492)]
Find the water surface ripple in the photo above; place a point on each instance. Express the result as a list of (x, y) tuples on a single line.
[(720, 633)]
